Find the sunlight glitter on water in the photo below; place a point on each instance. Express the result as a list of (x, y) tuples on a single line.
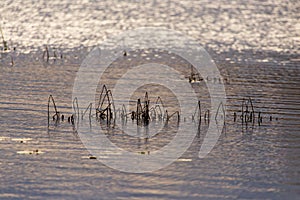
[(220, 25)]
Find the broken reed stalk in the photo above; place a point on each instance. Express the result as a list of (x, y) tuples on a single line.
[(151, 111), (244, 110), (139, 109), (88, 108), (252, 116), (247, 116), (242, 116), (107, 94), (5, 47), (199, 129), (76, 108), (56, 113), (160, 111), (108, 112), (223, 110), (112, 102), (146, 115), (154, 110), (259, 119), (252, 107), (197, 109), (124, 112), (173, 114), (194, 76), (142, 113), (146, 100), (159, 100), (199, 104), (103, 91), (46, 53)]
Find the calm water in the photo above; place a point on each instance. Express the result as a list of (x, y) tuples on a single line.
[(256, 48)]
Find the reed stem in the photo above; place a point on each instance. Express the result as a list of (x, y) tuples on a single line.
[(56, 113), (5, 47)]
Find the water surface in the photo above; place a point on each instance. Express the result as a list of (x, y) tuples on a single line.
[(255, 46)]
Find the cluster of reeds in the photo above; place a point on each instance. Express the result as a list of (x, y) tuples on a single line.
[(47, 57), (57, 117), (198, 115), (248, 113), (156, 111), (194, 77), (105, 109), (144, 112)]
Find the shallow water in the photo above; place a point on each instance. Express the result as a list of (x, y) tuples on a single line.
[(255, 46)]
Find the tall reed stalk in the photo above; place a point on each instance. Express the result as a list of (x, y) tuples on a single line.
[(5, 47)]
